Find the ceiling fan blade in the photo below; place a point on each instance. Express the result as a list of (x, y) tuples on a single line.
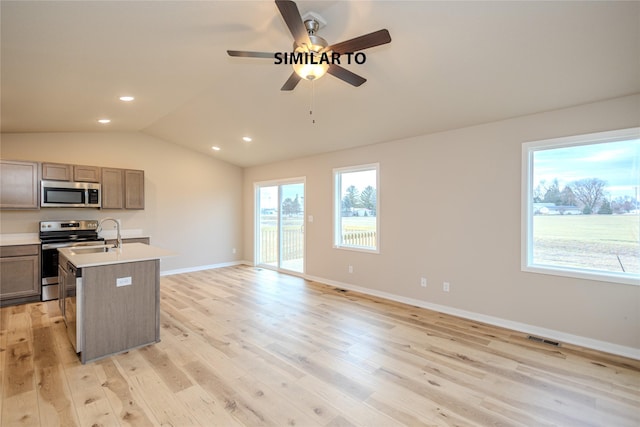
[(291, 82), (363, 42), (345, 75), (293, 19), (247, 54)]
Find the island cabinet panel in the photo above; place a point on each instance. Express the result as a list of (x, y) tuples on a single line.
[(57, 172), (112, 188), (86, 173), (120, 306), (18, 185)]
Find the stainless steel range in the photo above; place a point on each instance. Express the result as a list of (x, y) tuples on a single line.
[(62, 234)]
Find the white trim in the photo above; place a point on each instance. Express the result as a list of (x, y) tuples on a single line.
[(526, 227), (555, 335), (256, 216), (337, 206)]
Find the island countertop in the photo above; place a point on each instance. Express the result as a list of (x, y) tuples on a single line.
[(88, 256)]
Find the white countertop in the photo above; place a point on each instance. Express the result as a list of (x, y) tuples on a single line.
[(130, 252), (19, 239)]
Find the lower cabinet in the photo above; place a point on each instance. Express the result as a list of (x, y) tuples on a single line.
[(19, 273)]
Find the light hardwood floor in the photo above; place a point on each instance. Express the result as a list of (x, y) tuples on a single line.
[(249, 347)]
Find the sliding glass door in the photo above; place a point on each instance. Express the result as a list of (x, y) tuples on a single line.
[(279, 239)]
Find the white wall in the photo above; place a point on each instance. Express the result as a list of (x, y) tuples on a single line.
[(192, 202), (434, 194)]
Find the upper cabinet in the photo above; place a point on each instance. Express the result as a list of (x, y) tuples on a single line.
[(62, 172), (56, 172), (18, 185), (112, 188), (122, 188), (86, 173), (133, 189)]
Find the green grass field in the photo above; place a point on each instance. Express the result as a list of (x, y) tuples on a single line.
[(588, 241)]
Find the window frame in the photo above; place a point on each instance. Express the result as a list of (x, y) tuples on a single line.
[(337, 207), (528, 149)]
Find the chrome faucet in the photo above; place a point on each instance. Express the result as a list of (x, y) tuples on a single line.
[(118, 237)]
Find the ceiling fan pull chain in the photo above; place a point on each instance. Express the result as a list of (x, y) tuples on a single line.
[(313, 91)]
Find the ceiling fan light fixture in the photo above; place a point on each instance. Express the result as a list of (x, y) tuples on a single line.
[(312, 70)]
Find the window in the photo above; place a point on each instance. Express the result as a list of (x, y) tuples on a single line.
[(581, 206), (356, 224)]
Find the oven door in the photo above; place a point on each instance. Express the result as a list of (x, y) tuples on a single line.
[(49, 266)]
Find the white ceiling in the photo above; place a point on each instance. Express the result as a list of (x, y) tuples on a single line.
[(449, 65)]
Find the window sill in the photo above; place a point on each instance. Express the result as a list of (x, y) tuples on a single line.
[(357, 249), (601, 276)]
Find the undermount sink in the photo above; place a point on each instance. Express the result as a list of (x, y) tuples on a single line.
[(91, 249)]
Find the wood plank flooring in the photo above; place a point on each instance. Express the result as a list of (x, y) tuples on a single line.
[(248, 347)]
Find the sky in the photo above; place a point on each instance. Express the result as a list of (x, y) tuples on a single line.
[(269, 194), (617, 163)]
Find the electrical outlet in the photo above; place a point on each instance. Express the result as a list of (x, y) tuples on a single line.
[(445, 286), (233, 251), (351, 269), (423, 282), (123, 281)]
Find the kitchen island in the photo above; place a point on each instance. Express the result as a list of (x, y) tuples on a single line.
[(111, 297)]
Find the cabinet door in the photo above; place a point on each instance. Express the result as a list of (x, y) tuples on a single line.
[(19, 276), (18, 185), (62, 273), (56, 172), (134, 189), (86, 173), (112, 188)]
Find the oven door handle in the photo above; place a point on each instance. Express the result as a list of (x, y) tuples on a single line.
[(69, 245)]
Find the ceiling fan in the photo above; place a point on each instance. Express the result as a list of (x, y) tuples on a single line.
[(313, 56)]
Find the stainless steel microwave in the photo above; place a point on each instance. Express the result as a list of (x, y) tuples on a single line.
[(62, 194)]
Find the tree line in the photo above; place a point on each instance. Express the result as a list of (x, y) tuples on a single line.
[(588, 194), (355, 199)]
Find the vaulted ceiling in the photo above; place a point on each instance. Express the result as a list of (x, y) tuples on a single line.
[(449, 65)]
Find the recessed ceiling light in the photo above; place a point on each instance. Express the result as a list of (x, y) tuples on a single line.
[(127, 98), (215, 148), (104, 121), (246, 139)]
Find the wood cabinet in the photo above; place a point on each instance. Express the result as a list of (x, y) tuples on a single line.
[(63, 172), (56, 172), (122, 188), (64, 278), (86, 173), (134, 189), (18, 185), (116, 317), (112, 188), (19, 273)]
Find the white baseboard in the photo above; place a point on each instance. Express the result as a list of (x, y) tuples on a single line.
[(607, 347), (201, 267)]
